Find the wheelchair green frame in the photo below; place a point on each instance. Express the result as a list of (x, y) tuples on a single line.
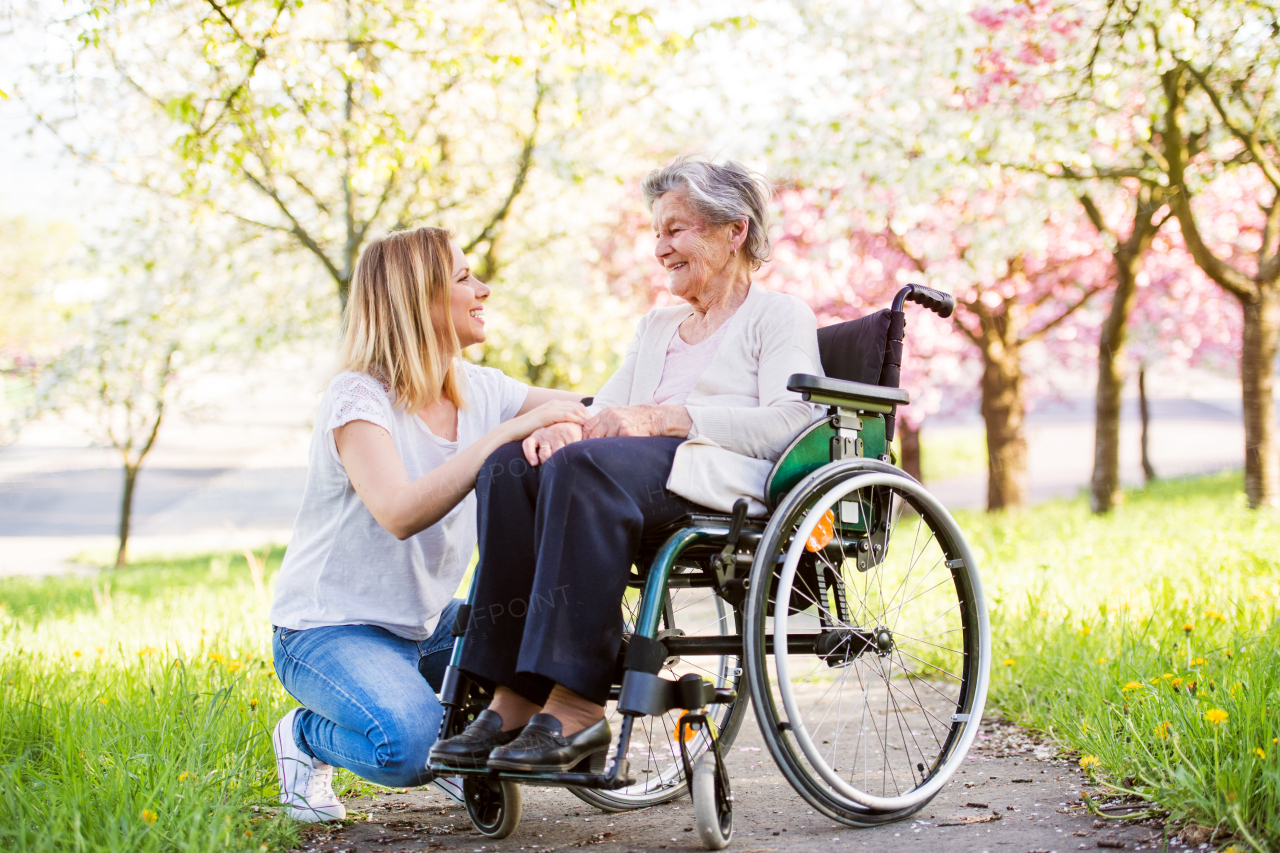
[(844, 454)]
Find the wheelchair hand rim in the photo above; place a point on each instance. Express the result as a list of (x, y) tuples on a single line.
[(969, 730)]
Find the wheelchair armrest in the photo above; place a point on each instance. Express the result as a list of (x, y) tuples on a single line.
[(849, 395)]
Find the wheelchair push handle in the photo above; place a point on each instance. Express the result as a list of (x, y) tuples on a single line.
[(942, 304)]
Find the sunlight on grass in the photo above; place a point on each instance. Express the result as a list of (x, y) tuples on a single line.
[(135, 709), (1148, 642), (135, 706)]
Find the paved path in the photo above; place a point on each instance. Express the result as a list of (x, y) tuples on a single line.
[(1013, 796)]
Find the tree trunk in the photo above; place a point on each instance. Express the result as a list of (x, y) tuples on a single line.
[(1004, 409), (1144, 412), (910, 437), (1104, 492), (126, 512), (1257, 368)]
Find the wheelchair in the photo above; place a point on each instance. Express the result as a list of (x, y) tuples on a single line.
[(853, 617)]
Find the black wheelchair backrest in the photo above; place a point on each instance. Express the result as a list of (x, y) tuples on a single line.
[(855, 350)]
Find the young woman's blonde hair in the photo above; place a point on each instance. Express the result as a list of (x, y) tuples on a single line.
[(398, 326)]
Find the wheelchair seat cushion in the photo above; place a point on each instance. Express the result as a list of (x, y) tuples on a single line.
[(854, 350)]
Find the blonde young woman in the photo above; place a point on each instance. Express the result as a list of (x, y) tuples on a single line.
[(364, 602)]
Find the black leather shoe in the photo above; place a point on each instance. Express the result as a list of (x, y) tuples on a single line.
[(470, 750), (542, 749)]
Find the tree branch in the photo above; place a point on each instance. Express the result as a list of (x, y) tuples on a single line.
[(522, 173), (1226, 276), (296, 228), (1249, 138)]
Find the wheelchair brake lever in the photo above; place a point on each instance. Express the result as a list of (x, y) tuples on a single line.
[(726, 561)]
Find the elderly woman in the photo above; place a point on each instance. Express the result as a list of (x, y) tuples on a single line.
[(696, 415)]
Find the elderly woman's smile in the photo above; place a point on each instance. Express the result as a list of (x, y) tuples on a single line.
[(700, 259)]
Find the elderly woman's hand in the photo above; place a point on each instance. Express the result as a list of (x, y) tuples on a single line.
[(543, 442), (640, 421)]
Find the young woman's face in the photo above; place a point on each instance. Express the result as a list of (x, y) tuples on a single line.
[(466, 302)]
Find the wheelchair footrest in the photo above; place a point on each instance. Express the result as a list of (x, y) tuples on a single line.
[(644, 693), (574, 779)]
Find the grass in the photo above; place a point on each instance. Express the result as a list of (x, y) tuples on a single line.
[(1148, 642), (135, 706), (134, 712)]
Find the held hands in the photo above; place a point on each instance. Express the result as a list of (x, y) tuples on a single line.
[(640, 421), (609, 423), (558, 412), (539, 446)]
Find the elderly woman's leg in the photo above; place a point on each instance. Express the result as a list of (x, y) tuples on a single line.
[(595, 501), (556, 547)]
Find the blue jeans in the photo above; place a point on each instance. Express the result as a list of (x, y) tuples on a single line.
[(368, 696)]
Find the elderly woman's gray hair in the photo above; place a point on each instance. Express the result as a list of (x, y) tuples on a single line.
[(720, 194)]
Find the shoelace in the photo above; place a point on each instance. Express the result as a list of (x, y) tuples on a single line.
[(319, 787)]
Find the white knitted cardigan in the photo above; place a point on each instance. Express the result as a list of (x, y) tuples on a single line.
[(743, 415)]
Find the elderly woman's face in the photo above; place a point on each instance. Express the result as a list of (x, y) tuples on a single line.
[(691, 251)]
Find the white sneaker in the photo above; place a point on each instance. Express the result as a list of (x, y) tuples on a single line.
[(306, 783), (452, 788)]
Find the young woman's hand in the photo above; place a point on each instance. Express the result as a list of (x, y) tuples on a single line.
[(554, 412)]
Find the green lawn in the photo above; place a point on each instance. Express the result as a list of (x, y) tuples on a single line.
[(1149, 643), (135, 707)]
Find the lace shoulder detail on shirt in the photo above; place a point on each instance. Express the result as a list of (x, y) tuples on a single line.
[(359, 397)]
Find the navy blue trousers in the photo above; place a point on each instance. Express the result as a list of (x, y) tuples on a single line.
[(556, 546)]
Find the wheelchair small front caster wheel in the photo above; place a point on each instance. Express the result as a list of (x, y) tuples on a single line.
[(712, 809), (494, 807)]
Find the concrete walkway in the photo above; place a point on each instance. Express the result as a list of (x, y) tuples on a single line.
[(1014, 795)]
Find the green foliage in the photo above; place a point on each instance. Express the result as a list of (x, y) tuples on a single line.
[(135, 711), (1149, 641)]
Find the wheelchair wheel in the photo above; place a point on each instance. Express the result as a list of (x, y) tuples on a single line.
[(869, 697), (494, 807), (712, 807), (655, 750)]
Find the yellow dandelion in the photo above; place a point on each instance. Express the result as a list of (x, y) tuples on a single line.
[(99, 649), (1188, 627), (1009, 661), (1236, 688), (1258, 751), (149, 817), (1162, 730), (1198, 662), (1101, 660), (1176, 683), (234, 666), (1131, 686), (102, 699), (77, 653), (1167, 676), (217, 658), (253, 703), (182, 777), (1085, 630), (147, 651), (1216, 715), (1090, 761)]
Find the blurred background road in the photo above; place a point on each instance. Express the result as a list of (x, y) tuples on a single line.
[(231, 476)]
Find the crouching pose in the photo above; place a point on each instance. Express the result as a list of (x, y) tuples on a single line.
[(364, 602), (696, 415)]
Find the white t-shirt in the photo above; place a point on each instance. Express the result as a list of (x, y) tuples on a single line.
[(342, 567)]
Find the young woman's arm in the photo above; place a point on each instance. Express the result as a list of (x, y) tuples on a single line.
[(538, 396), (405, 507)]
